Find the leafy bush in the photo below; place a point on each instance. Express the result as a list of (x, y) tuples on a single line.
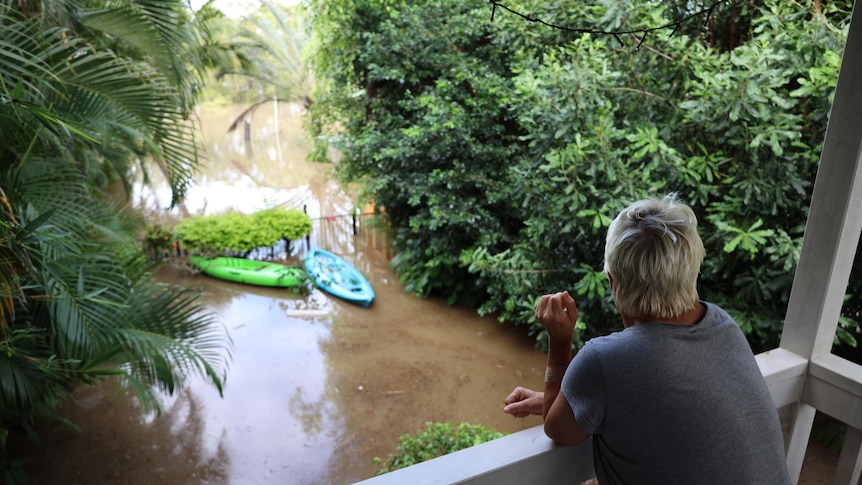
[(437, 439), (240, 233), (157, 240), (500, 150)]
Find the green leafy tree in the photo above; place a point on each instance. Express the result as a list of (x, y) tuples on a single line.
[(498, 151), (427, 131)]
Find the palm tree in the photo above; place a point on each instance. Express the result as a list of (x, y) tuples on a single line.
[(264, 50), (275, 37), (88, 91)]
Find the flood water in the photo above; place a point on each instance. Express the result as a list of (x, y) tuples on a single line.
[(317, 387)]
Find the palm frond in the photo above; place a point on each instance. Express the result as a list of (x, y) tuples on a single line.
[(22, 55), (133, 108), (100, 97), (160, 31), (84, 95), (167, 337), (93, 293), (200, 345), (29, 375)]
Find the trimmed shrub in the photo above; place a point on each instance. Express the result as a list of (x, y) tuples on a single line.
[(437, 439)]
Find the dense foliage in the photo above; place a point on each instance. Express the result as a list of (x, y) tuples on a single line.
[(238, 233), (436, 439), (91, 94), (498, 151)]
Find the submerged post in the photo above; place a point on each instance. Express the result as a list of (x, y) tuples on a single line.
[(355, 215), (307, 236)]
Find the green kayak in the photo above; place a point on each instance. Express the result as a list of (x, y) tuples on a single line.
[(250, 272)]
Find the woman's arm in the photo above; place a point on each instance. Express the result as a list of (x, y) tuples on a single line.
[(558, 314), (561, 424)]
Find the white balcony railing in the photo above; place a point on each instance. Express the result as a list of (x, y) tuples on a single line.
[(529, 457), (525, 457)]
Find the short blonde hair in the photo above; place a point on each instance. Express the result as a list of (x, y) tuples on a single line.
[(654, 254)]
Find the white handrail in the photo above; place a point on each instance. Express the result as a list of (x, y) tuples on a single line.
[(523, 458), (529, 457)]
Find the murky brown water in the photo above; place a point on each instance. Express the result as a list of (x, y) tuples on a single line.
[(317, 387)]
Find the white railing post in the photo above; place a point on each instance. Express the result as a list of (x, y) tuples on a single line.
[(831, 235), (849, 466), (801, 420)]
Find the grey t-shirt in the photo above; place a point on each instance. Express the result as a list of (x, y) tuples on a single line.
[(677, 404)]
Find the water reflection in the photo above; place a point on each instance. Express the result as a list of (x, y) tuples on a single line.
[(135, 449), (314, 306), (274, 407), (309, 413), (250, 174)]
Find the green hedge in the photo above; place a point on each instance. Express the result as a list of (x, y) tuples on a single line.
[(241, 233)]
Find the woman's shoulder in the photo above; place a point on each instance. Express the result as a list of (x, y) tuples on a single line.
[(716, 315)]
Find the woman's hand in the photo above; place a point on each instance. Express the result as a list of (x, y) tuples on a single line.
[(523, 402), (558, 314)]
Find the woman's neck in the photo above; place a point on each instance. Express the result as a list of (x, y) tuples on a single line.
[(689, 317)]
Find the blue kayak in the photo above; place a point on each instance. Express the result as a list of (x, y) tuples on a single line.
[(337, 277)]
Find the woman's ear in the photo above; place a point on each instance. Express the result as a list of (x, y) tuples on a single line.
[(611, 279)]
